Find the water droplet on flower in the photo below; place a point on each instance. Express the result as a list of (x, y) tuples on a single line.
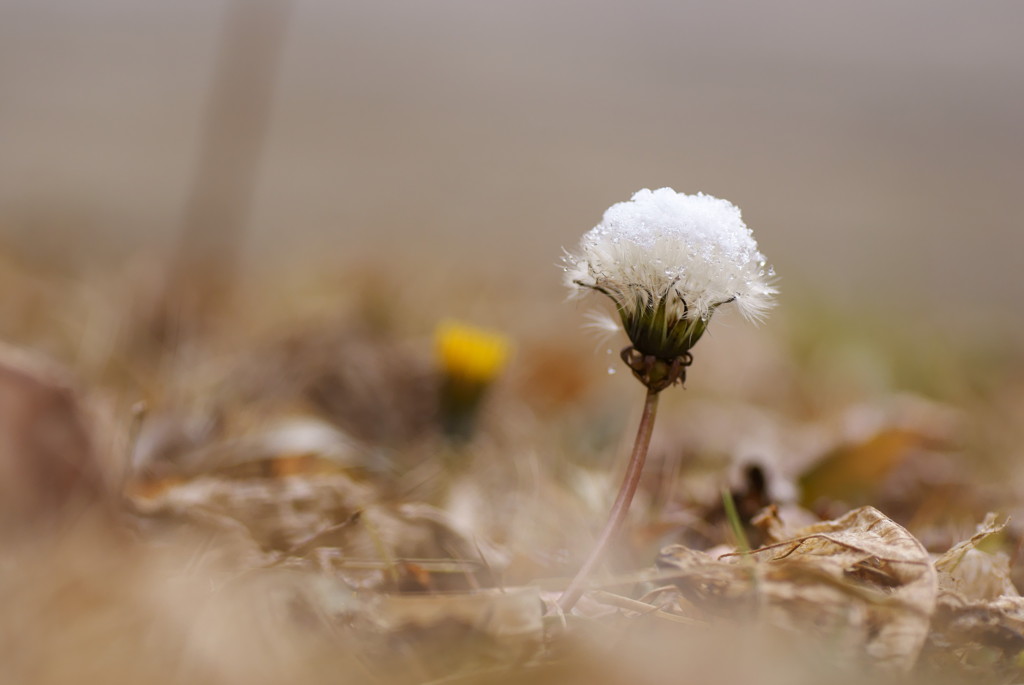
[(771, 270), (611, 371)]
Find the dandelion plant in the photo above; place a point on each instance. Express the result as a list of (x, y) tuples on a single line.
[(470, 360), (667, 261)]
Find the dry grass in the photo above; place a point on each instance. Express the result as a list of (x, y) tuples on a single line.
[(269, 494)]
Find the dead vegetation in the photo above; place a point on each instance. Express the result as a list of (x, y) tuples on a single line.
[(272, 497)]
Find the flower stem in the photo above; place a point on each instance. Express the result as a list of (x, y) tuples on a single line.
[(621, 507)]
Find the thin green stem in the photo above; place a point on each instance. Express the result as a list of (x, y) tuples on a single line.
[(735, 522), (621, 507)]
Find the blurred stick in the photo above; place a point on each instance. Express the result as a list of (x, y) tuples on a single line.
[(233, 138)]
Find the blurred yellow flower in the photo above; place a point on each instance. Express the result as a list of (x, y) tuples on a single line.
[(469, 354)]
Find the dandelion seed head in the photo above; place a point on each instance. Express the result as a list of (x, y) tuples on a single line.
[(682, 255)]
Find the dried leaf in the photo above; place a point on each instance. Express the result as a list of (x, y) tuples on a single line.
[(976, 638), (278, 512), (852, 471), (862, 579), (867, 549), (972, 574)]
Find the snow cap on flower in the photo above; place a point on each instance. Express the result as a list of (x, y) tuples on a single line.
[(668, 260)]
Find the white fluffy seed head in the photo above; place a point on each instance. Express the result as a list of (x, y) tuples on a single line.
[(689, 253)]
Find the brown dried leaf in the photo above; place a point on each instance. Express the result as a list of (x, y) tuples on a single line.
[(279, 513), (877, 444), (336, 524), (972, 574), (852, 471), (867, 550), (862, 579)]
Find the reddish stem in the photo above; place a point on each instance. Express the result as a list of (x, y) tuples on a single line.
[(621, 507)]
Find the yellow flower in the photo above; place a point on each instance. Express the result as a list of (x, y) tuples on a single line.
[(469, 354)]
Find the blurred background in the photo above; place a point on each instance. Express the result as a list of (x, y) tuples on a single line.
[(875, 148), (246, 227)]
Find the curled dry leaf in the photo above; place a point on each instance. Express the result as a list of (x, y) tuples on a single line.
[(865, 550), (975, 575), (979, 620), (861, 580)]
